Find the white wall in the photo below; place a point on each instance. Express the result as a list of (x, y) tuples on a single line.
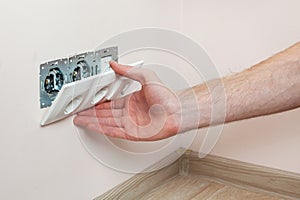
[(236, 35), (50, 163)]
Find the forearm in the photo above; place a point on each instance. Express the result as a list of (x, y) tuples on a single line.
[(268, 87)]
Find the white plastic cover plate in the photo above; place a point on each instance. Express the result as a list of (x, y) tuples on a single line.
[(80, 95)]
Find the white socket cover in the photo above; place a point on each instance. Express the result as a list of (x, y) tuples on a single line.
[(83, 94)]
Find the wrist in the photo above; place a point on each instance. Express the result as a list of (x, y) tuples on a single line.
[(194, 109)]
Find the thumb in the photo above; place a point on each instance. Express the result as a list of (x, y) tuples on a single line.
[(119, 68), (139, 74)]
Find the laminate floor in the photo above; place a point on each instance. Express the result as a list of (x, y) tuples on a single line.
[(194, 187)]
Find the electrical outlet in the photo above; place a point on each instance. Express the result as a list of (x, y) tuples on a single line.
[(86, 91), (70, 85), (81, 66), (55, 74)]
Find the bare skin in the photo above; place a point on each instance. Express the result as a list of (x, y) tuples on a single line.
[(156, 112)]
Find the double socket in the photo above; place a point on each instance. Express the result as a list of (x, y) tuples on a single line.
[(57, 73)]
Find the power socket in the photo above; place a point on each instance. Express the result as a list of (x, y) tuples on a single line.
[(55, 74), (71, 88)]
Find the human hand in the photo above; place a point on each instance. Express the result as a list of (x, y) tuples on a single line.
[(153, 113)]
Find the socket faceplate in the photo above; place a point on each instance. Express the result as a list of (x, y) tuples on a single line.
[(85, 93)]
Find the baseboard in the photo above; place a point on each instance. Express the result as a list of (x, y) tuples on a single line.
[(253, 177), (245, 174), (141, 183)]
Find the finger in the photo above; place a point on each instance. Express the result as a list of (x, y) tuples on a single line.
[(86, 120), (83, 121), (109, 113), (119, 68), (114, 104), (88, 112), (92, 124), (107, 130), (110, 121), (101, 113), (141, 75)]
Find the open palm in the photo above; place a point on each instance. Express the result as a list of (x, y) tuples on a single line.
[(148, 114)]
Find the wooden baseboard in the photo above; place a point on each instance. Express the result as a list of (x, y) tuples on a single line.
[(140, 184), (241, 174), (245, 174)]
